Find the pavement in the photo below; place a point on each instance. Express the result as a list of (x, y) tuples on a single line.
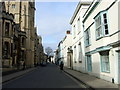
[(15, 75), (90, 81)]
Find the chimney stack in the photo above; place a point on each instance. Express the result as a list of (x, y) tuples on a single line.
[(68, 32)]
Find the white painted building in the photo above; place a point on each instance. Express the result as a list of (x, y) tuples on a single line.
[(67, 42), (63, 48), (60, 51), (102, 39), (78, 36)]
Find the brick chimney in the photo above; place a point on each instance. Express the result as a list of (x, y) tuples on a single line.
[(68, 32)]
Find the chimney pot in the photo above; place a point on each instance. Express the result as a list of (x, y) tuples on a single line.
[(68, 32)]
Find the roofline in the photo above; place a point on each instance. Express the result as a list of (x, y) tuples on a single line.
[(78, 8)]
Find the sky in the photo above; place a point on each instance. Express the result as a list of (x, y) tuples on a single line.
[(52, 21)]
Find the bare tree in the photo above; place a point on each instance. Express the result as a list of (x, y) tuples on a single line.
[(49, 51)]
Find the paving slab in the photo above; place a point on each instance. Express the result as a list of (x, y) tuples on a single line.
[(90, 80)]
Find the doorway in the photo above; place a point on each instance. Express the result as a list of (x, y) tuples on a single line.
[(69, 59), (89, 63)]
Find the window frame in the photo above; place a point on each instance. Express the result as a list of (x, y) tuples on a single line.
[(105, 12), (75, 53), (98, 27), (13, 6), (88, 35), (100, 14), (80, 52), (78, 24), (90, 63), (74, 31), (103, 68), (7, 28)]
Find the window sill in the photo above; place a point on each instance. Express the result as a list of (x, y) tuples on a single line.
[(107, 36), (105, 71), (88, 45), (98, 38)]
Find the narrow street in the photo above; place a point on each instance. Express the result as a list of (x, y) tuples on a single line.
[(44, 77)]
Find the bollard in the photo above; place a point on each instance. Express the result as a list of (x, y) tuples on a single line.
[(112, 80)]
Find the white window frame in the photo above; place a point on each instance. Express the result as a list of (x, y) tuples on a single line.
[(78, 24), (75, 54), (105, 64), (89, 63), (80, 52), (74, 30), (100, 26), (103, 19), (87, 37)]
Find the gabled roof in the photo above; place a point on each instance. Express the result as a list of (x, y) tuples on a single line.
[(82, 2)]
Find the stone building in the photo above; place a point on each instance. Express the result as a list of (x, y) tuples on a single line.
[(24, 15), (12, 41), (39, 52), (7, 27)]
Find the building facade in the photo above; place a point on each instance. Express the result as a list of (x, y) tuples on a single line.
[(24, 15), (12, 41), (66, 44), (63, 49), (95, 47), (78, 52), (7, 23), (60, 52), (39, 53), (102, 40)]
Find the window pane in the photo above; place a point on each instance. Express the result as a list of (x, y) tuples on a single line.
[(89, 63), (106, 32), (104, 15), (105, 24), (7, 29), (13, 5), (105, 61), (106, 29), (87, 37), (105, 21), (98, 26)]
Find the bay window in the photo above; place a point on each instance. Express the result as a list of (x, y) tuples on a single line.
[(101, 25)]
